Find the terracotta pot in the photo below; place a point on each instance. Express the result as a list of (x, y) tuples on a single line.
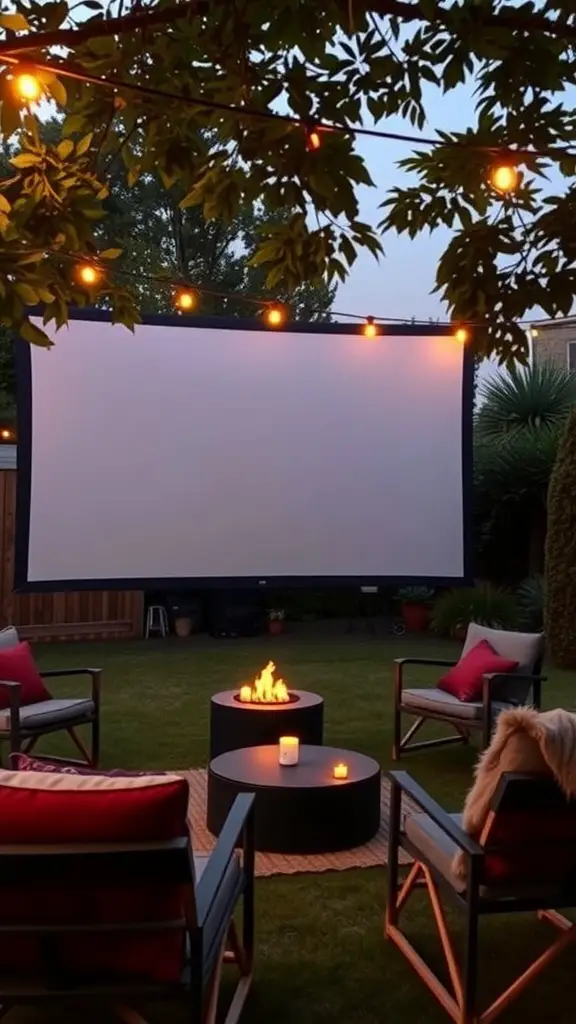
[(416, 617), (275, 627), (183, 626)]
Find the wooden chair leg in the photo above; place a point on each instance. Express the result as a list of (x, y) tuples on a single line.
[(73, 734), (95, 751)]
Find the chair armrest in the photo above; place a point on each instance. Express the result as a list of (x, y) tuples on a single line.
[(439, 816), (13, 695), (491, 678), (94, 673), (240, 822), (399, 671), (440, 662)]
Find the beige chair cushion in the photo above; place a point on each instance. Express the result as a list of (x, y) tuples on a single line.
[(438, 702), (8, 638), (525, 648)]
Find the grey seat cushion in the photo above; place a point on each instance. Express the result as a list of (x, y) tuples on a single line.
[(438, 850), (222, 909), (48, 713), (432, 700)]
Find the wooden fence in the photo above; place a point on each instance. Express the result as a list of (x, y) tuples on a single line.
[(86, 615)]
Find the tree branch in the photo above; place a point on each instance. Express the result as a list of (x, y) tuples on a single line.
[(402, 9), (519, 22), (71, 37)]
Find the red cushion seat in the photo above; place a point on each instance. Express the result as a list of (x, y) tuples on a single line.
[(60, 808)]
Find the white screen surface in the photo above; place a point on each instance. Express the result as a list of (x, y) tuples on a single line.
[(183, 452)]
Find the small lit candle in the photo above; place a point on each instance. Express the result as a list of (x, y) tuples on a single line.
[(245, 694), (288, 750), (340, 771)]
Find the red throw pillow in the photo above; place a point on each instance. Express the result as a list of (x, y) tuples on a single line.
[(464, 680), (17, 666)]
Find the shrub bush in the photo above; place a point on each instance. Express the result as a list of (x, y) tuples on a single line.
[(484, 604), (560, 610), (530, 596)]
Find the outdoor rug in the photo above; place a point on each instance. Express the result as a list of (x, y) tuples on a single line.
[(372, 854)]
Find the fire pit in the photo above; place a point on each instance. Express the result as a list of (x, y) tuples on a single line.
[(259, 713)]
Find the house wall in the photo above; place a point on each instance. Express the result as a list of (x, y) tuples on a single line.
[(86, 615), (551, 343)]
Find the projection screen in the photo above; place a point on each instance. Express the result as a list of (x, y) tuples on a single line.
[(219, 453)]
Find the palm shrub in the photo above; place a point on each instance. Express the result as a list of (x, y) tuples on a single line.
[(560, 609), (531, 599), (517, 431), (485, 604)]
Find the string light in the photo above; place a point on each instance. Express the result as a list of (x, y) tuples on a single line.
[(275, 315), (186, 299), (87, 274), (505, 178), (6, 435), (64, 70), (461, 334), (369, 329), (313, 140), (26, 87)]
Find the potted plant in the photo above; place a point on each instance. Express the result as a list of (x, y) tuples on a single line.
[(415, 607), (276, 618)]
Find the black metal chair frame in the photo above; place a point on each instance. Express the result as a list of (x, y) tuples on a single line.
[(144, 863), (23, 739), (462, 1002), (462, 727)]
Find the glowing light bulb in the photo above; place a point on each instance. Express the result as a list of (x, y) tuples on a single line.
[(370, 329), (313, 140), (461, 335), (88, 274), (27, 87), (275, 316), (6, 435), (505, 178), (187, 300)]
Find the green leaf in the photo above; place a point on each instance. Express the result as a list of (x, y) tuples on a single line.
[(10, 119), (29, 332), (22, 160), (84, 145), (4, 204), (57, 91), (65, 148), (14, 22), (110, 254), (26, 293), (73, 123)]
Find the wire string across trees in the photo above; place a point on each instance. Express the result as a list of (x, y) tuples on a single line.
[(283, 90)]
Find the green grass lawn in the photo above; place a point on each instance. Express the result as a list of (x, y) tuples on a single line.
[(321, 956)]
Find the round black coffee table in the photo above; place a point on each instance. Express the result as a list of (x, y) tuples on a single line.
[(299, 808)]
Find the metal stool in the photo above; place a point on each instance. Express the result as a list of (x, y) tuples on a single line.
[(157, 620)]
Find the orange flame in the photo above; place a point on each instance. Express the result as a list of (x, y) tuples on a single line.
[(265, 689)]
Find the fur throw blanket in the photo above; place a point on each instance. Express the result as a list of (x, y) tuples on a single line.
[(525, 740)]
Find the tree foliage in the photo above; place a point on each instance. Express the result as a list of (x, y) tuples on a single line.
[(324, 63), (561, 553), (159, 239)]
